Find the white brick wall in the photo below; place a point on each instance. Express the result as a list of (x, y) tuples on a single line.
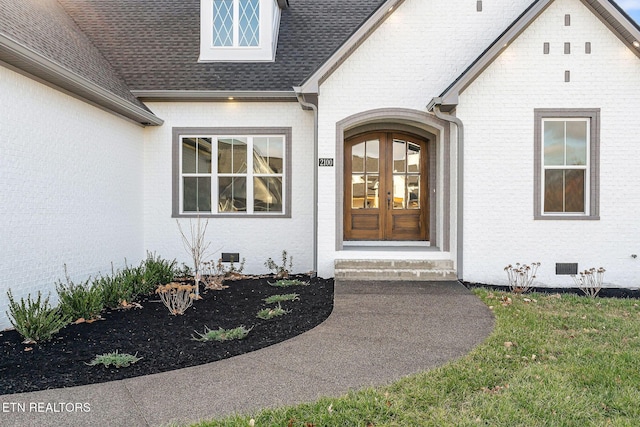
[(412, 57), (71, 192), (497, 110), (255, 239)]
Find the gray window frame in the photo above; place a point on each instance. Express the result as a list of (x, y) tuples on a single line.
[(593, 206), (177, 133)]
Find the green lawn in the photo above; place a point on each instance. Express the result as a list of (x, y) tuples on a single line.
[(551, 361)]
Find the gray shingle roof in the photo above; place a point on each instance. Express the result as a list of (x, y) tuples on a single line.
[(154, 44), (43, 27)]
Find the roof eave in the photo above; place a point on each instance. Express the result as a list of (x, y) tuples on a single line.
[(49, 72)]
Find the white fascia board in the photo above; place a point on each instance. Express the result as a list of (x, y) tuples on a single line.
[(59, 76), (213, 95), (312, 83)]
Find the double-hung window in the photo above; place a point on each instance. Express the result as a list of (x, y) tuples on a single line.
[(566, 164), (238, 173)]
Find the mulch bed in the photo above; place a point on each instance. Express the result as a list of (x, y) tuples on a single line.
[(162, 340)]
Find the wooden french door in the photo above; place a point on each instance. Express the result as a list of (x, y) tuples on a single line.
[(386, 197)]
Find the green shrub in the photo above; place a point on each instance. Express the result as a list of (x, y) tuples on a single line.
[(222, 334), (283, 297), (35, 320), (119, 360), (270, 313), (284, 283), (132, 278), (79, 300), (156, 271), (114, 289)]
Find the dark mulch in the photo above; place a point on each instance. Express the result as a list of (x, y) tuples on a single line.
[(162, 340)]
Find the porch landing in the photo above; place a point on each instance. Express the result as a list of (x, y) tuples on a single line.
[(395, 270)]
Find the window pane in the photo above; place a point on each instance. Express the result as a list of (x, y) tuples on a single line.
[(413, 157), (232, 155), (267, 194), (188, 155), (553, 190), (373, 156), (399, 156), (577, 143), (249, 23), (358, 190), (413, 190), (232, 194), (196, 194), (373, 182), (357, 157), (553, 143), (399, 188), (204, 155), (268, 155), (574, 190), (223, 22)]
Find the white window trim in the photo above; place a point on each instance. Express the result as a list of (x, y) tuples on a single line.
[(592, 178), (268, 35), (214, 134), (586, 167)]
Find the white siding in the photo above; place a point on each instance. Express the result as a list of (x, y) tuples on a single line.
[(497, 110), (255, 239), (412, 57), (71, 192)]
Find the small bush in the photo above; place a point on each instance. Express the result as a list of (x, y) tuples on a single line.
[(282, 297), (590, 281), (35, 320), (115, 290), (222, 334), (285, 283), (280, 271), (119, 360), (132, 278), (157, 271), (79, 300), (270, 313), (177, 297), (521, 277)]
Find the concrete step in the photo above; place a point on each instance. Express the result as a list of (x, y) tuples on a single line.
[(398, 270)]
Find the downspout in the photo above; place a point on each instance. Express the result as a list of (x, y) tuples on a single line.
[(434, 106), (313, 107)]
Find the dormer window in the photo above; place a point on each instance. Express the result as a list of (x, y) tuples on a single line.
[(236, 23), (239, 30)]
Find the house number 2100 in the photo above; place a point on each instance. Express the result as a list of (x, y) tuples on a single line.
[(325, 161)]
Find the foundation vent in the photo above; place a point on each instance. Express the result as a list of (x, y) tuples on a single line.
[(230, 257), (564, 268)]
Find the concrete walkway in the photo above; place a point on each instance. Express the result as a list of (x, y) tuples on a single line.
[(377, 333)]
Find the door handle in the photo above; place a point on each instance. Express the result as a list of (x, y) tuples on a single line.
[(389, 200)]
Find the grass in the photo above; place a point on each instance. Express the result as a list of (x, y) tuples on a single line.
[(281, 298), (221, 334), (551, 361)]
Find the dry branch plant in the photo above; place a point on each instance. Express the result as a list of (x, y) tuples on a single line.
[(521, 277), (177, 297), (590, 281), (195, 246)]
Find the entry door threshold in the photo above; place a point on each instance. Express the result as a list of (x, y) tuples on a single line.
[(386, 243)]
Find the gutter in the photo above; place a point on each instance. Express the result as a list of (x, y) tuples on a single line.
[(314, 107), (434, 106)]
